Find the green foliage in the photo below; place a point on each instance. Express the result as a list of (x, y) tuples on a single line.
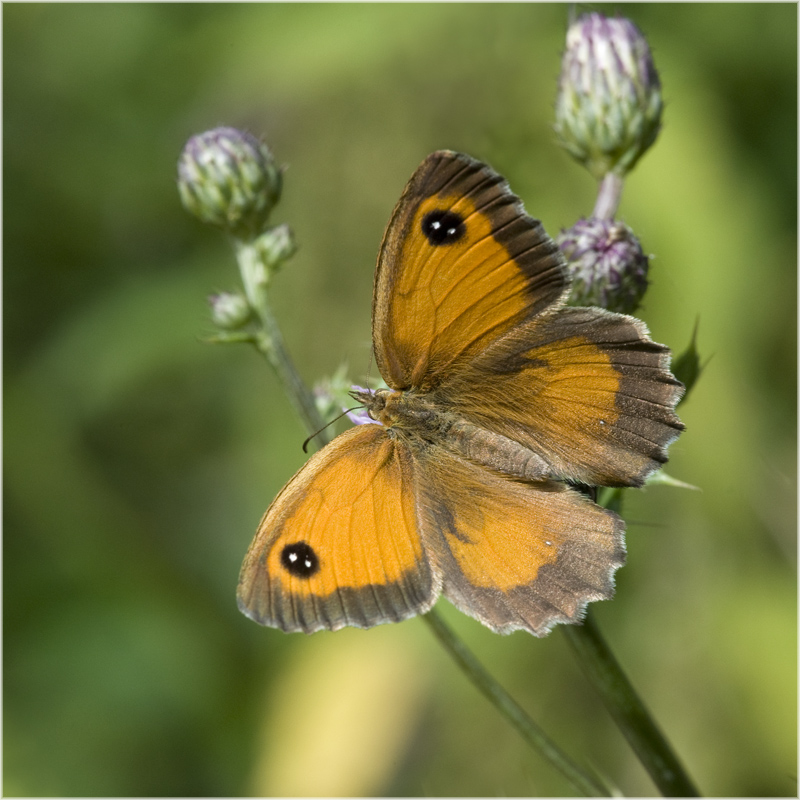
[(686, 367), (138, 460)]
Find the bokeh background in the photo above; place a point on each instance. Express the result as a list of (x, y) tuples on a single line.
[(138, 459)]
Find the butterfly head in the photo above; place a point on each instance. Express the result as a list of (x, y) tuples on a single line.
[(377, 403)]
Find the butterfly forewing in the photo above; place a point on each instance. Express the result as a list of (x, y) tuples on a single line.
[(460, 265), (340, 545)]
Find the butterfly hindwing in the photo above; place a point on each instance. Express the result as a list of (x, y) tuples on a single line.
[(517, 555), (460, 264), (340, 544), (585, 389)]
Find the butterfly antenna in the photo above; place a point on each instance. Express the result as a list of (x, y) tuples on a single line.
[(369, 365), (335, 419)]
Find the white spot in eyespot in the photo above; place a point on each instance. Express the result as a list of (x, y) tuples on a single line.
[(602, 422), (293, 557), (548, 543)]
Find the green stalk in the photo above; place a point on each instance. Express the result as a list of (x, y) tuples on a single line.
[(582, 781), (628, 710), (268, 340), (609, 195)]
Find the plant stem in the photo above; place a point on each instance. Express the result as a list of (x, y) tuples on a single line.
[(581, 780), (269, 340), (628, 710), (609, 195)]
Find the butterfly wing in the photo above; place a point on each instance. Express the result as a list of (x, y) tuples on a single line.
[(517, 555), (460, 264), (585, 389), (340, 544)]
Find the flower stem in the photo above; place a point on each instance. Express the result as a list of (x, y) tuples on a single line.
[(581, 780), (628, 710), (609, 194), (269, 340)]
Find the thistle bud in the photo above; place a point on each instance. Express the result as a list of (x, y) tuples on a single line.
[(276, 245), (229, 310), (324, 400), (229, 179), (608, 108), (607, 265), (332, 394)]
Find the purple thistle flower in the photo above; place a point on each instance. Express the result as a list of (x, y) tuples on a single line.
[(607, 265)]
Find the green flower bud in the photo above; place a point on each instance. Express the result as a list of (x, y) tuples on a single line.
[(229, 179), (608, 108), (229, 310), (276, 246), (332, 395), (607, 265)]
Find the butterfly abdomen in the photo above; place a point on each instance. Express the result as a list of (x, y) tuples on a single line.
[(495, 451)]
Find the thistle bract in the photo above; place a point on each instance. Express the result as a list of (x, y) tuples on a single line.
[(608, 108), (229, 179), (606, 263)]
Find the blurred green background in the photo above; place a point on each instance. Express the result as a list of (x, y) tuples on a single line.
[(138, 459)]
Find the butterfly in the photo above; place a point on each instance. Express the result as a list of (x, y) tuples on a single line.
[(500, 398)]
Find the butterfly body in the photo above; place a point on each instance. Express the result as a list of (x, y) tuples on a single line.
[(498, 395), (418, 419)]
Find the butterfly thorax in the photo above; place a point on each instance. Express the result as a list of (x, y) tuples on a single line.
[(421, 421)]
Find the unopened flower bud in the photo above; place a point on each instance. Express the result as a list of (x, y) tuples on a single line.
[(229, 179), (276, 245), (324, 400), (332, 395), (607, 265), (608, 108), (229, 310)]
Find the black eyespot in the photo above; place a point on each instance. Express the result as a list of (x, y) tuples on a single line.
[(443, 227), (300, 560)]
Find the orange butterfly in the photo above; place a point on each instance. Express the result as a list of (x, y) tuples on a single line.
[(498, 394)]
